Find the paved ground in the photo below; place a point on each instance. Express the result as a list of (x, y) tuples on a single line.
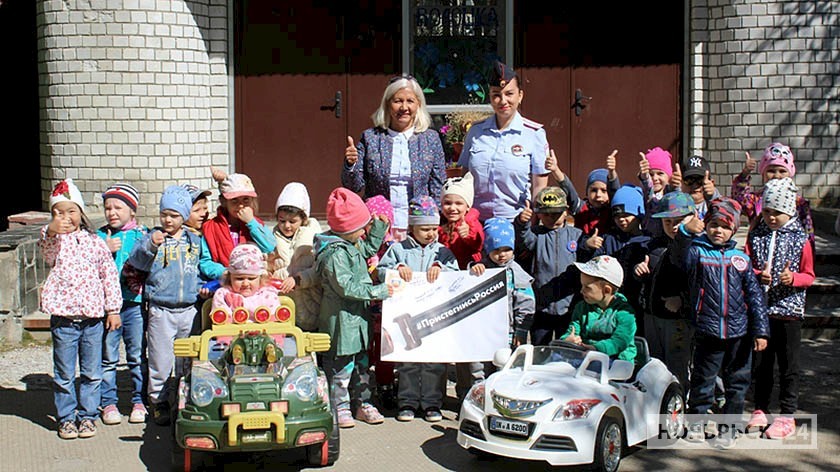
[(28, 441)]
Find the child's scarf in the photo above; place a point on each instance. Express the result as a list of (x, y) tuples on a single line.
[(217, 232)]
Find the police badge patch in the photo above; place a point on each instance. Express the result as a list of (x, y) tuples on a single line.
[(517, 150)]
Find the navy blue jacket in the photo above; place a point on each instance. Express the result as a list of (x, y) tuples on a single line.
[(725, 295)]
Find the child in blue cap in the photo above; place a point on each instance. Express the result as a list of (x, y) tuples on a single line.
[(169, 255), (601, 185), (421, 384), (625, 242)]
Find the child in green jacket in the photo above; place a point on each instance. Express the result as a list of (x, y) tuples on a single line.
[(348, 290), (603, 320)]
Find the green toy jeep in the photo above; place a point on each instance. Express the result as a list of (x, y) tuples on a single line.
[(254, 385)]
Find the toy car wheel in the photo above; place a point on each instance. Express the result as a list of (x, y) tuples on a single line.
[(608, 445), (326, 453), (672, 412)]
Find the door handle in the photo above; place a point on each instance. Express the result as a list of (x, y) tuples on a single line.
[(579, 104), (336, 106)]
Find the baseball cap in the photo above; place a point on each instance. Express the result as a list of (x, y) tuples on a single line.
[(550, 200), (603, 267), (195, 192), (674, 204), (696, 166)]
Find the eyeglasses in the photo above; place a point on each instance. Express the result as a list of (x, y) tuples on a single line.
[(405, 76)]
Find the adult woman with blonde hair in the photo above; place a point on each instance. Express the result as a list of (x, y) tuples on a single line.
[(400, 157)]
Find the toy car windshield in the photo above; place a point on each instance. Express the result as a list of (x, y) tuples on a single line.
[(547, 355)]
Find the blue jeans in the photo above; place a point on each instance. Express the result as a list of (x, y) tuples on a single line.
[(74, 340), (132, 334), (731, 359)]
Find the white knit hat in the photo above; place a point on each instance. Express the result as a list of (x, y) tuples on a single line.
[(461, 186), (294, 194), (66, 191), (780, 195)]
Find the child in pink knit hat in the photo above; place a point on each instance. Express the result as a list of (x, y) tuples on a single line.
[(776, 163), (245, 285), (657, 177), (340, 255)]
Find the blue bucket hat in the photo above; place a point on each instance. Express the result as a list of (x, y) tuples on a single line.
[(674, 204), (628, 199), (498, 233), (177, 198)]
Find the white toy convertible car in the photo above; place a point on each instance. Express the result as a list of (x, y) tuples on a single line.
[(567, 406)]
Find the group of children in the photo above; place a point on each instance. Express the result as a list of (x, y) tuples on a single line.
[(597, 282)]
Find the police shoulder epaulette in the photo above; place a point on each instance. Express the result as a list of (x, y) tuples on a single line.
[(531, 124)]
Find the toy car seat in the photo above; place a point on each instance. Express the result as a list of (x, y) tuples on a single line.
[(642, 356)]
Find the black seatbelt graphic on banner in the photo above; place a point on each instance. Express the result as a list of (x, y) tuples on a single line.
[(415, 328)]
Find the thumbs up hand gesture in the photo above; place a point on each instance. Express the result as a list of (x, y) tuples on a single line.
[(595, 241), (644, 166), (786, 277), (463, 229), (114, 244), (676, 177), (766, 278), (351, 154), (611, 173), (642, 268), (527, 213), (708, 186), (749, 165), (572, 337), (551, 166)]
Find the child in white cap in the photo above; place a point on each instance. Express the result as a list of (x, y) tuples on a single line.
[(81, 289), (783, 261), (603, 320), (292, 260)]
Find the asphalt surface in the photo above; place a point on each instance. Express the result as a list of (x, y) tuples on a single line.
[(28, 440)]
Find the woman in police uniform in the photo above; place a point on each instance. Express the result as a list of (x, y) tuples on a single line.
[(506, 152), (401, 157)]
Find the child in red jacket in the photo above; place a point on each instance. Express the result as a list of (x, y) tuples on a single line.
[(462, 233)]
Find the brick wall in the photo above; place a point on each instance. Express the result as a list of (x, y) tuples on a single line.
[(764, 71), (132, 90)]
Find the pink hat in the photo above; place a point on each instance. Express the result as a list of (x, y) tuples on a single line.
[(660, 159), (237, 185), (379, 205), (777, 154), (346, 212), (246, 259)]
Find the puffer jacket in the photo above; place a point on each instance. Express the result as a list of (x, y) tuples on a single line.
[(348, 289), (725, 296)]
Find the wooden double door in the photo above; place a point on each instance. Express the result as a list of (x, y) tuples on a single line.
[(310, 73)]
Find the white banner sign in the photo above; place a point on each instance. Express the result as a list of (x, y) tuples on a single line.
[(460, 318)]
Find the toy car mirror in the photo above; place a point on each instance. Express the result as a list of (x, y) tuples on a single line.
[(501, 357), (620, 370)]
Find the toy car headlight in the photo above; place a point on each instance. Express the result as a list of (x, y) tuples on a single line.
[(576, 409), (205, 386), (476, 395), (303, 381)]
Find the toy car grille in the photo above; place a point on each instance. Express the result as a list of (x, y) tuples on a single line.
[(471, 428), (254, 391), (555, 443)]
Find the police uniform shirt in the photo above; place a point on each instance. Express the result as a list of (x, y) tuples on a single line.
[(502, 162)]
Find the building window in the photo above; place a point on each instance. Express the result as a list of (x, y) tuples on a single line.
[(449, 45)]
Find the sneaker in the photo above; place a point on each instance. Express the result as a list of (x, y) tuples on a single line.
[(725, 441), (758, 421), (433, 415), (345, 418), (405, 414), (161, 413), (110, 415), (68, 430), (695, 433), (369, 414), (781, 428), (87, 429), (138, 413)]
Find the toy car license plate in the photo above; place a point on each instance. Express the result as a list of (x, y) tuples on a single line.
[(256, 437), (500, 425)]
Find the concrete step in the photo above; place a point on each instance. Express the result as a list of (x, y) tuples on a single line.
[(821, 323), (36, 321)]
